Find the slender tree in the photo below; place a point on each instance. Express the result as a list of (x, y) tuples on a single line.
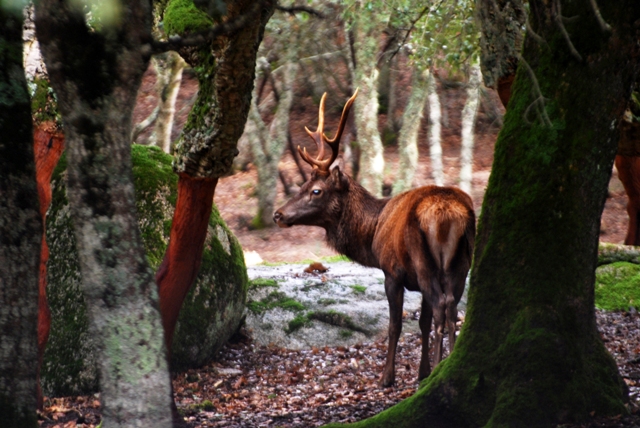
[(529, 353), (268, 146), (365, 22), (169, 67), (469, 114), (408, 139), (20, 232)]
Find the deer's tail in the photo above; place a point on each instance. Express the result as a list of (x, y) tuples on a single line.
[(444, 223)]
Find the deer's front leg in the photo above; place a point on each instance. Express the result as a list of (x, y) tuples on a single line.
[(395, 296)]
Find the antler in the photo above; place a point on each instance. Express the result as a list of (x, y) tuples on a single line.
[(320, 164)]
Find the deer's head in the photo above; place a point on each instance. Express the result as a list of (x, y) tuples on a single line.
[(319, 199)]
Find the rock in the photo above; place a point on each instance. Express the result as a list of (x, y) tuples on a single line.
[(343, 306), (212, 311)]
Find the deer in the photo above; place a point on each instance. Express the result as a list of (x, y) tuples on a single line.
[(421, 239)]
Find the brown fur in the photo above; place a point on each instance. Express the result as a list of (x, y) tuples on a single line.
[(629, 173), (421, 239)]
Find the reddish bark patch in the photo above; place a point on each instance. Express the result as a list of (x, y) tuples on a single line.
[(48, 144), (184, 253)]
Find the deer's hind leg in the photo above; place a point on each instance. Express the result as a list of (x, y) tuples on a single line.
[(455, 280), (395, 295)]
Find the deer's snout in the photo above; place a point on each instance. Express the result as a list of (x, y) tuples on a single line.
[(278, 218)]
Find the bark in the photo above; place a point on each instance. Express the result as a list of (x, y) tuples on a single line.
[(529, 353), (408, 139), (207, 145), (365, 77), (20, 233), (502, 23), (96, 77), (469, 115), (435, 133), (169, 68), (48, 144), (268, 148)]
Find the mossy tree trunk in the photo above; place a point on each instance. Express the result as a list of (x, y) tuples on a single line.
[(96, 77), (20, 233), (408, 139), (529, 353), (205, 150)]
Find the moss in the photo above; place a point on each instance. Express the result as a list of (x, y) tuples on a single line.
[(346, 334), (327, 302), (262, 282), (276, 299), (182, 17), (297, 323), (44, 107), (617, 286), (359, 289), (337, 319), (212, 310)]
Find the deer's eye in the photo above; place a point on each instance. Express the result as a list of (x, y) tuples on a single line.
[(316, 191)]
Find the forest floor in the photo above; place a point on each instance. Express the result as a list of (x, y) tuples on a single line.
[(256, 386)]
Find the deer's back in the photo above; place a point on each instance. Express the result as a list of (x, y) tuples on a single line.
[(432, 218)]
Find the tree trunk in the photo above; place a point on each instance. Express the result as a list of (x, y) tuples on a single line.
[(207, 145), (529, 353), (20, 234), (267, 149), (96, 79), (469, 114), (435, 126), (48, 144), (408, 140), (365, 77), (169, 66)]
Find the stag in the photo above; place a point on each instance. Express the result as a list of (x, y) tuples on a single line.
[(421, 239)]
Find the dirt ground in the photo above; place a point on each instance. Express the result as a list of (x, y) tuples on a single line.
[(235, 194)]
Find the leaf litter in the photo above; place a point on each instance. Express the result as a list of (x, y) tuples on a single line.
[(267, 386)]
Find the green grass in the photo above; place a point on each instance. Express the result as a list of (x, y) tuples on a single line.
[(618, 286)]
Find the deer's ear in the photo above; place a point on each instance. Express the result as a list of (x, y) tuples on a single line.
[(339, 180)]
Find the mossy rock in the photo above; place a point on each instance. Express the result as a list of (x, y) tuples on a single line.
[(618, 286), (212, 310)]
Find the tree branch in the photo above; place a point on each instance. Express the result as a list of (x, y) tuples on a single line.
[(558, 20), (202, 37), (537, 92), (596, 10), (137, 130), (292, 10), (412, 26)]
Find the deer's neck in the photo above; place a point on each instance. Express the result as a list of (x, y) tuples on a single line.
[(353, 234)]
